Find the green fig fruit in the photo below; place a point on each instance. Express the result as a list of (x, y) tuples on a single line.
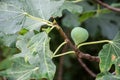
[(79, 35)]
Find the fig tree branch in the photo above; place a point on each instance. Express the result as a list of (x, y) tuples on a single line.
[(78, 53), (108, 6), (86, 68)]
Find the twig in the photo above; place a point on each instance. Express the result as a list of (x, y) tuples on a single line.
[(60, 70), (89, 57), (65, 53), (78, 52), (86, 68), (108, 6), (58, 48)]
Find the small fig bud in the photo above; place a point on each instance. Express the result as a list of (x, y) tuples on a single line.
[(79, 35)]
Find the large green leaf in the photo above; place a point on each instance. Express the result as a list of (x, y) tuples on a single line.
[(21, 70), (108, 24), (35, 50), (70, 6), (110, 54), (13, 17)]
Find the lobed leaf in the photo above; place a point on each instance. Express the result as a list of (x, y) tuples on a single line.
[(35, 50), (109, 54), (108, 24), (13, 17)]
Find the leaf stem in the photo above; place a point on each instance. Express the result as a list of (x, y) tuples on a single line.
[(76, 1), (48, 30), (51, 29), (39, 19), (62, 54), (95, 42), (59, 47)]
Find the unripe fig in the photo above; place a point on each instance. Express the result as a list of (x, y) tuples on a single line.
[(79, 35)]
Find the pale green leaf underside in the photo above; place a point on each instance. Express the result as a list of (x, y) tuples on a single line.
[(13, 18), (110, 54), (70, 6), (35, 50)]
